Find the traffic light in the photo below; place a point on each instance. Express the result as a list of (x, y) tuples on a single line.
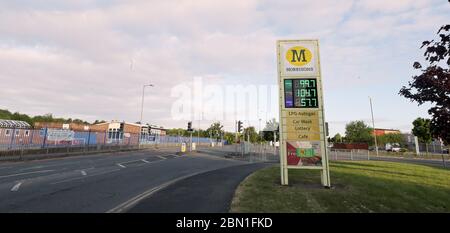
[(239, 126), (189, 126)]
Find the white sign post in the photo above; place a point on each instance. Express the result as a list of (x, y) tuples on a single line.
[(416, 142), (303, 142)]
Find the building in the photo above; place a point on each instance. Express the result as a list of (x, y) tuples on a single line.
[(119, 131), (61, 125), (151, 133), (14, 132), (105, 133), (380, 132), (155, 130), (14, 124)]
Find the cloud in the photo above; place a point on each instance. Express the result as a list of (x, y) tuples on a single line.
[(90, 58), (387, 6), (300, 18)]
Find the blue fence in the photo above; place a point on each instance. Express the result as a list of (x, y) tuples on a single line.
[(14, 139)]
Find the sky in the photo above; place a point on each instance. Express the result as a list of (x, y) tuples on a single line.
[(89, 59)]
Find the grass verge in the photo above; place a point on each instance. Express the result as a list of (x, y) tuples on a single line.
[(359, 186)]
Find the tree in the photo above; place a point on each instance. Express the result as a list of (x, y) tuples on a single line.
[(433, 85), (215, 130), (422, 130), (98, 121), (177, 132), (251, 132), (269, 129), (358, 132), (22, 117), (337, 138), (391, 138), (5, 114), (229, 137)]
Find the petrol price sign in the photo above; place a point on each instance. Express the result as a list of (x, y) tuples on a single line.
[(302, 128)]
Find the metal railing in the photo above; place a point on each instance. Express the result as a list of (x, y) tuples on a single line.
[(349, 154), (46, 141), (256, 152)]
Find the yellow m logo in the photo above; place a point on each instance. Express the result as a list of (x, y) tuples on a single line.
[(298, 56)]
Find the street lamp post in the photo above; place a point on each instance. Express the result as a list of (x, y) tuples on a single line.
[(259, 126), (142, 112), (142, 103), (373, 124), (198, 132)]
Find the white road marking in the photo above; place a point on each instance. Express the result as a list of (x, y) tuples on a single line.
[(16, 187), (83, 173), (77, 178), (161, 157), (31, 168), (145, 161), (133, 201), (120, 165), (26, 173)]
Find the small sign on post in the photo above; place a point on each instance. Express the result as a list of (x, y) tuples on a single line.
[(183, 147), (416, 142)]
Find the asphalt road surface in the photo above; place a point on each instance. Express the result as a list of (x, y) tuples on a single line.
[(99, 183), (138, 181), (209, 192)]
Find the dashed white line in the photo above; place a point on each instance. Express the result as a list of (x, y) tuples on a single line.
[(145, 161), (83, 173), (26, 173), (78, 178), (16, 187), (120, 165), (31, 168), (161, 157)]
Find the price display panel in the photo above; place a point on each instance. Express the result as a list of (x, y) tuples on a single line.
[(301, 93)]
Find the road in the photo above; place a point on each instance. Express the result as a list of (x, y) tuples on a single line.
[(210, 192), (155, 180), (394, 158), (97, 183), (431, 162)]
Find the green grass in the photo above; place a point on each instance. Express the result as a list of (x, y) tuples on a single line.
[(369, 186)]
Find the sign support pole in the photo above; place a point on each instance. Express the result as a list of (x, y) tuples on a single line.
[(190, 148)]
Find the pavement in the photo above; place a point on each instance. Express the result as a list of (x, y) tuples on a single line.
[(105, 182)]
